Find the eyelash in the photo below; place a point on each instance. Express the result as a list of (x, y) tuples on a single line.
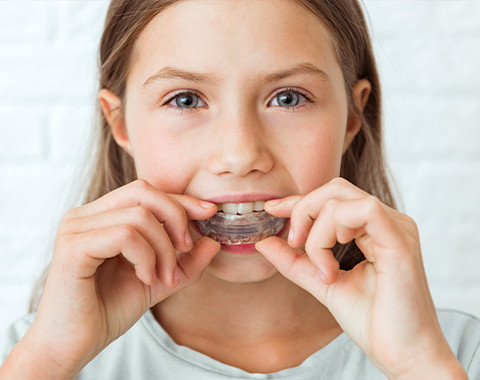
[(291, 89), (178, 109), (191, 92)]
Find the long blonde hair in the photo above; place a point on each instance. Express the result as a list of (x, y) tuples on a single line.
[(363, 162)]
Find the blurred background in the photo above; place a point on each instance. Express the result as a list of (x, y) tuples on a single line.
[(428, 55)]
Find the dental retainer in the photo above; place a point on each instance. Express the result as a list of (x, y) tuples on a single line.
[(241, 229)]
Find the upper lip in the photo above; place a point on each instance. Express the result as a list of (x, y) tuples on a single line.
[(242, 198)]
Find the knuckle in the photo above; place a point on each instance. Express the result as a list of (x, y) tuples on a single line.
[(330, 204), (299, 209), (127, 233), (62, 229), (413, 224), (142, 184), (338, 182), (178, 212), (374, 206), (66, 226), (70, 214), (142, 212), (411, 229)]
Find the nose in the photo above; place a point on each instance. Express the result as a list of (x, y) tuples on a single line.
[(240, 145)]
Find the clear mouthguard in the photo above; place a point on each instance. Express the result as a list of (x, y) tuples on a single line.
[(241, 229)]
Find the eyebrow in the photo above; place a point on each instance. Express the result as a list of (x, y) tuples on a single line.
[(171, 73), (302, 68)]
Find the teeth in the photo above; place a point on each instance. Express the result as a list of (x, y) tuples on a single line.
[(229, 208), (245, 208), (240, 208), (259, 205)]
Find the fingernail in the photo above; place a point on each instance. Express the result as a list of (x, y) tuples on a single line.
[(274, 202), (206, 204), (322, 277), (291, 234), (188, 239)]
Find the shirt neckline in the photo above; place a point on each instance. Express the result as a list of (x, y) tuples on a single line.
[(198, 359)]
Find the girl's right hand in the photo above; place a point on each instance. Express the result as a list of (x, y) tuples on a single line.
[(114, 259)]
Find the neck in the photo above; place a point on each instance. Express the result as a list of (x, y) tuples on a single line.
[(270, 314)]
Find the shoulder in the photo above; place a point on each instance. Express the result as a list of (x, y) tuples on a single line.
[(462, 331), (458, 325)]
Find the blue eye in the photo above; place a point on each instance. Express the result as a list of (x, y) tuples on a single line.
[(288, 99), (186, 101)]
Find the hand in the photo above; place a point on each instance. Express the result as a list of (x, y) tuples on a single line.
[(383, 304), (114, 259)]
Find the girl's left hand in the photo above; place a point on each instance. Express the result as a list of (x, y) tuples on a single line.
[(383, 304)]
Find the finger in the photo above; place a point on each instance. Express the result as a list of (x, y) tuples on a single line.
[(141, 218), (190, 268), (321, 239), (196, 209), (295, 265), (172, 211), (368, 218), (306, 210), (192, 264), (281, 208), (83, 253), (405, 221), (409, 226)]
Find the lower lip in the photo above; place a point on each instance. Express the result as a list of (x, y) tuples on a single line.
[(242, 249)]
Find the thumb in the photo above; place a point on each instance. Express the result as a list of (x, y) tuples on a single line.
[(191, 264), (294, 264), (190, 267)]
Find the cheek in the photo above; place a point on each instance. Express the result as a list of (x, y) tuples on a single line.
[(166, 161), (315, 158)]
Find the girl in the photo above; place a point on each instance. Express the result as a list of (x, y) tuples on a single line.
[(224, 105)]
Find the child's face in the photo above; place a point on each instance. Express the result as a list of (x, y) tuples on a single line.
[(242, 142)]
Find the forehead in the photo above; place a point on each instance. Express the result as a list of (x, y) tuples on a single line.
[(234, 38)]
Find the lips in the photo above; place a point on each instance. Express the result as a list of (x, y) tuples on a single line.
[(241, 198)]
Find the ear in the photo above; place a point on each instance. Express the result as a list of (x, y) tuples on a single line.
[(360, 93), (110, 104)]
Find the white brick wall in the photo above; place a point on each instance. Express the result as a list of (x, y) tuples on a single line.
[(429, 55), (429, 60), (47, 92)]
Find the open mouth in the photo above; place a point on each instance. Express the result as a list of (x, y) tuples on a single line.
[(241, 223)]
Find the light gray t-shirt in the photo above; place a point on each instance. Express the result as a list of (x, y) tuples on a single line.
[(146, 352)]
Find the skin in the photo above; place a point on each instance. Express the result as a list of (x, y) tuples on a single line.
[(283, 303), (239, 145)]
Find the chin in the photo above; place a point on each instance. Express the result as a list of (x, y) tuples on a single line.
[(241, 269)]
